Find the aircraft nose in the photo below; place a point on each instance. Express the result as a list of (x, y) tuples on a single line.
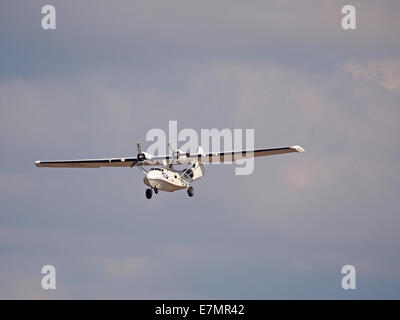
[(152, 174), (151, 178)]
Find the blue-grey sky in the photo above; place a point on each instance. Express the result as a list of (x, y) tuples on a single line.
[(111, 71)]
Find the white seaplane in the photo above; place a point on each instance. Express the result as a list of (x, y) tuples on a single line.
[(163, 176)]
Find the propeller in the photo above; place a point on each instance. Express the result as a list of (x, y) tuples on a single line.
[(175, 152), (141, 156)]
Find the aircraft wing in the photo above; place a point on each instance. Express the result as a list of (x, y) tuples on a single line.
[(219, 157), (88, 163)]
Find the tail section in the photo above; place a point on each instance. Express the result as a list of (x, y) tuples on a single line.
[(200, 150)]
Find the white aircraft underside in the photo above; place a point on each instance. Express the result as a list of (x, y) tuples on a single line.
[(166, 178)]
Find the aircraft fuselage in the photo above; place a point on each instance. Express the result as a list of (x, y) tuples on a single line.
[(164, 179)]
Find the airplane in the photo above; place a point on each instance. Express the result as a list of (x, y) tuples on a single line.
[(162, 175)]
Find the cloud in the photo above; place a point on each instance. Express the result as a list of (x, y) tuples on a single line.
[(297, 199), (25, 286), (385, 73), (144, 35), (98, 83), (127, 268)]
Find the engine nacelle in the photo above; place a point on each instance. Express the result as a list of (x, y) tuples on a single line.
[(144, 156), (147, 155), (181, 157)]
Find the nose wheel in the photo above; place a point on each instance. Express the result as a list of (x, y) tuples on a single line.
[(190, 191), (149, 193)]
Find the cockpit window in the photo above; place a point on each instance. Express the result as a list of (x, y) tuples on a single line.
[(158, 169)]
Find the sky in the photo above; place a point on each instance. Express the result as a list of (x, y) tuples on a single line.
[(111, 72)]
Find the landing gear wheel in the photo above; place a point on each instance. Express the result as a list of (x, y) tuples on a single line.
[(155, 190), (149, 193), (190, 191)]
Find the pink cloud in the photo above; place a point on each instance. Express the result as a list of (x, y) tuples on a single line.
[(386, 73)]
